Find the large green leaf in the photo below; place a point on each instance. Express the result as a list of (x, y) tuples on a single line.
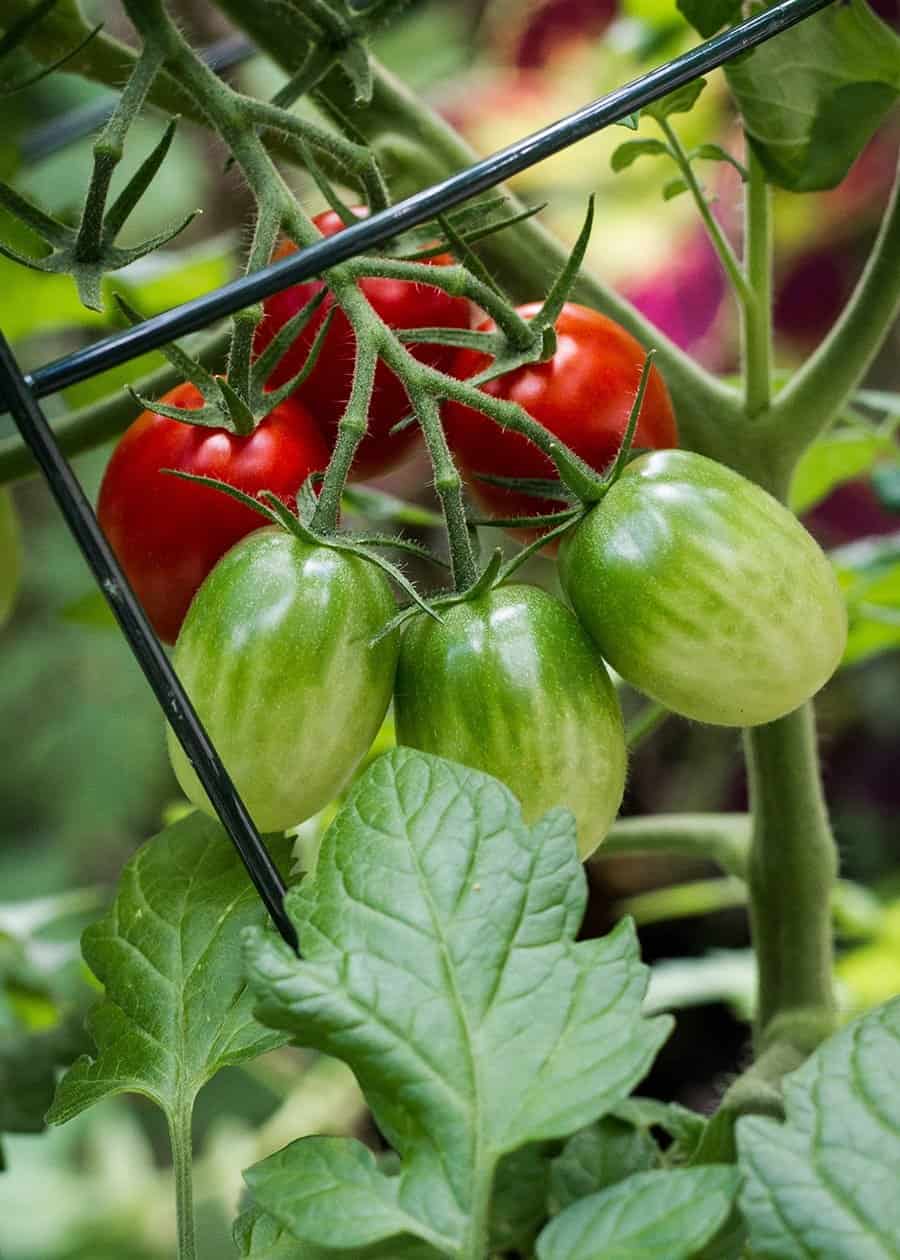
[(652, 1214), (812, 96), (825, 1182), (176, 1006), (439, 961)]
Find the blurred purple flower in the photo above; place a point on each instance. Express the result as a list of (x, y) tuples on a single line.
[(558, 21), (683, 297)]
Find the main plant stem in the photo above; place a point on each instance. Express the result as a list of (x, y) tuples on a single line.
[(791, 875), (793, 860)]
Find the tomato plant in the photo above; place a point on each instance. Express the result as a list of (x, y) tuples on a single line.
[(167, 532), (325, 391), (583, 394), (704, 592), (511, 685), (457, 919), (275, 656)]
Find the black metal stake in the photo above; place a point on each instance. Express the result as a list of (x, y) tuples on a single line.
[(173, 699)]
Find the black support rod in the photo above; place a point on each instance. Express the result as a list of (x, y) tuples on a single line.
[(173, 699)]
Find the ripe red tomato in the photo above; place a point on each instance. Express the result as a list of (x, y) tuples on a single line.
[(327, 388), (583, 395), (168, 533)]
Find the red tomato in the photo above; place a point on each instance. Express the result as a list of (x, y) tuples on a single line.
[(168, 533), (583, 395), (326, 390)]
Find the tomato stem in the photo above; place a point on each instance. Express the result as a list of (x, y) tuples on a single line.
[(756, 322), (448, 484), (792, 870), (180, 1127), (727, 257), (351, 431)]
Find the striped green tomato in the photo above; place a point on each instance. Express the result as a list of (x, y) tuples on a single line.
[(275, 654), (510, 684), (10, 555), (704, 592)]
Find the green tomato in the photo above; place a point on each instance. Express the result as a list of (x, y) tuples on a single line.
[(510, 684), (275, 654), (10, 555), (706, 593)]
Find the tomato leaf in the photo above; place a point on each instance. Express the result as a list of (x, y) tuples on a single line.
[(597, 1157), (674, 188), (259, 1236), (439, 961), (824, 1182), (177, 1007), (812, 97), (519, 1198), (629, 152), (650, 1214), (869, 573), (709, 16), (832, 460), (681, 101)]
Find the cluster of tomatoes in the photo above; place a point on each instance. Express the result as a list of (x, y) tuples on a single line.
[(694, 584)]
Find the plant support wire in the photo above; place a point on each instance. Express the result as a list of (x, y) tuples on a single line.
[(19, 393), (378, 228), (173, 699)]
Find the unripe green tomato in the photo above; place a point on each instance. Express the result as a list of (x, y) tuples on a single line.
[(10, 555), (275, 654), (510, 684), (704, 592)]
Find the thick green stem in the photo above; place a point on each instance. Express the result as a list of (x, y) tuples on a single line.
[(756, 323), (791, 874), (182, 1163)]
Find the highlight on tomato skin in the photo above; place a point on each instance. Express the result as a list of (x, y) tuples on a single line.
[(325, 391), (169, 533), (583, 395), (512, 685), (704, 592)]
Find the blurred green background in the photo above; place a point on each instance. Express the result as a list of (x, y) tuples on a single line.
[(84, 777)]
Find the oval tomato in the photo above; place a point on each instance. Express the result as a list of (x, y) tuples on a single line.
[(168, 533), (583, 395), (327, 388), (275, 655), (10, 555), (705, 592), (510, 684)]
